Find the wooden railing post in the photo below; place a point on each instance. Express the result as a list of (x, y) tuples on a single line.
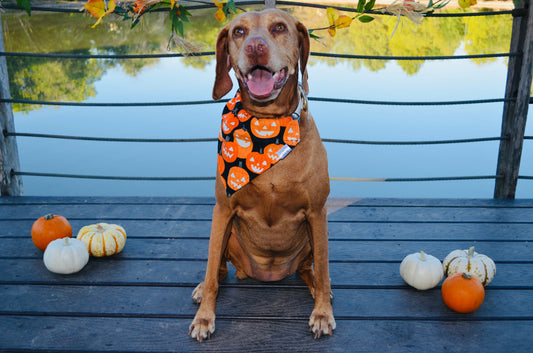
[(270, 4), (10, 184), (515, 111)]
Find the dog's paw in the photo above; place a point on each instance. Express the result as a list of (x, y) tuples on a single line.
[(202, 327), (197, 293), (322, 323)]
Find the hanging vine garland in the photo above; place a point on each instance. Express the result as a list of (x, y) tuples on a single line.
[(133, 10)]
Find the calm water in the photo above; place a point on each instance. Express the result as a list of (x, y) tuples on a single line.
[(181, 80)]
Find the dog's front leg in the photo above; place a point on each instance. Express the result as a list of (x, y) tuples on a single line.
[(321, 321), (206, 293)]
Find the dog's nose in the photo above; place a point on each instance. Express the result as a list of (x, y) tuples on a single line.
[(256, 47)]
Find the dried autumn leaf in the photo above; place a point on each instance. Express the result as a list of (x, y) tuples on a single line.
[(343, 21), (95, 7), (220, 14), (98, 9), (333, 14)]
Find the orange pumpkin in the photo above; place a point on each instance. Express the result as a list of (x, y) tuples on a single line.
[(49, 228), (229, 151), (244, 140), (257, 162), (243, 115), (292, 133), (221, 165), (265, 128), (237, 178), (229, 122), (231, 104), (271, 151), (463, 292)]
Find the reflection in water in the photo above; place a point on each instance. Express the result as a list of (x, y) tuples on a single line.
[(73, 79), (181, 79)]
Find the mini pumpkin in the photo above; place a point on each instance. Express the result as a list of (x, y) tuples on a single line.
[(234, 101), (103, 239), (463, 292), (272, 152), (49, 228), (470, 261), (244, 141), (66, 256), (243, 115), (229, 122), (292, 133), (421, 271), (230, 151), (237, 178), (257, 162), (265, 128)]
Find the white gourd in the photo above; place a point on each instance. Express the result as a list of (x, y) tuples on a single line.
[(65, 256), (421, 271), (470, 261)]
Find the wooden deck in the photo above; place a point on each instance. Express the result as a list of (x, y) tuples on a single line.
[(139, 300)]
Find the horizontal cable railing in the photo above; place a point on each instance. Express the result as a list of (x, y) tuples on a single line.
[(329, 140), (211, 53), (514, 13)]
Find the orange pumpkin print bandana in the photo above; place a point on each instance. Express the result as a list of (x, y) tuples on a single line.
[(248, 146)]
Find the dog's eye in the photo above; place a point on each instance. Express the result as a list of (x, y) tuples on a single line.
[(279, 28), (239, 32)]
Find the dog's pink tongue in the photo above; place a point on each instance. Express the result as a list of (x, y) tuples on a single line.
[(261, 83)]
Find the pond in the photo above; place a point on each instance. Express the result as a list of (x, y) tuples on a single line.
[(191, 79)]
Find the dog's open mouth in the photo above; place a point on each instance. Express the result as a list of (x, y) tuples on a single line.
[(261, 82)]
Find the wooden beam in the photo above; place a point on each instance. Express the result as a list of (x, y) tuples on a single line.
[(515, 111), (10, 185)]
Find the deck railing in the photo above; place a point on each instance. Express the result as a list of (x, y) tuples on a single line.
[(516, 103)]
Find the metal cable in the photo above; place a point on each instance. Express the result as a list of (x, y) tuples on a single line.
[(108, 177), (317, 99), (160, 140), (210, 53)]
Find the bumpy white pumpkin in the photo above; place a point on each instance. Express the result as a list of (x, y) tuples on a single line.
[(470, 261), (421, 271), (65, 256), (103, 239)]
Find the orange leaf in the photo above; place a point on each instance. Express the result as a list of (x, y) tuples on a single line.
[(220, 15)]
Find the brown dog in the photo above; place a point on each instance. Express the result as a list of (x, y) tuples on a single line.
[(276, 224)]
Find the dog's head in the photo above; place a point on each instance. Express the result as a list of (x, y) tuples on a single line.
[(265, 50)]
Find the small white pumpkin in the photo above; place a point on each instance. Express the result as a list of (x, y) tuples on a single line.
[(470, 261), (421, 271), (65, 256), (103, 239)]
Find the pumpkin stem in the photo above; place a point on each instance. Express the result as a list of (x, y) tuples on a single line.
[(66, 241), (471, 252), (99, 228), (467, 275), (422, 256), (49, 216)]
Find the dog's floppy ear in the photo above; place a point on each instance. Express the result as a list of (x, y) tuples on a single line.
[(304, 47), (223, 83)]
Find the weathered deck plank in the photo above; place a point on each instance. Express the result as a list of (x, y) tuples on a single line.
[(139, 300)]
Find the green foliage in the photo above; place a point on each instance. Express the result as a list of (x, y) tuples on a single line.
[(25, 4)]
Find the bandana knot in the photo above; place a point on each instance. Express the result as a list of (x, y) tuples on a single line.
[(248, 146)]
